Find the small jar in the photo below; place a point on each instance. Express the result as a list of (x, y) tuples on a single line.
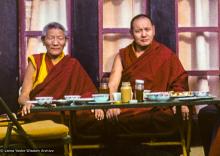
[(126, 92), (139, 89), (103, 88)]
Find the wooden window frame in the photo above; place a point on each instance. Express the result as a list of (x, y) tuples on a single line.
[(198, 29)]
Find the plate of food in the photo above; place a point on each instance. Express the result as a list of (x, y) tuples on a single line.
[(201, 93), (175, 94), (71, 97)]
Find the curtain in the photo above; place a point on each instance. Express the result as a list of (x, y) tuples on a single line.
[(38, 14)]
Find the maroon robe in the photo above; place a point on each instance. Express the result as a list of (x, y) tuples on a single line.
[(159, 67), (161, 70), (65, 78)]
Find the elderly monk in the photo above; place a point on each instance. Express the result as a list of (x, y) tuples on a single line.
[(52, 73), (161, 70)]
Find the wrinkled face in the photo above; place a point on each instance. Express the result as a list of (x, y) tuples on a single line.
[(143, 31), (54, 41)]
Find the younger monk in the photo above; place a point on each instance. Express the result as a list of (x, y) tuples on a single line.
[(161, 70), (52, 73)]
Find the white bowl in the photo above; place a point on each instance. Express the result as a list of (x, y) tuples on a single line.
[(152, 96), (100, 97), (158, 96), (146, 93), (163, 97), (72, 97), (44, 100)]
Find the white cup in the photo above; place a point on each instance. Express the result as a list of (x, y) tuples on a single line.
[(116, 96), (146, 93)]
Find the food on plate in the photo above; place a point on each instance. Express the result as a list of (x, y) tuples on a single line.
[(181, 94)]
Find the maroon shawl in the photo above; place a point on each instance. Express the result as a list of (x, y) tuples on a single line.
[(161, 70), (65, 78), (159, 67)]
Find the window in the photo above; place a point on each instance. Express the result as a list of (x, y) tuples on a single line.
[(34, 15), (114, 24), (197, 37), (198, 42)]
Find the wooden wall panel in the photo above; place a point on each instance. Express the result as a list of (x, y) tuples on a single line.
[(85, 35), (163, 15), (9, 52)]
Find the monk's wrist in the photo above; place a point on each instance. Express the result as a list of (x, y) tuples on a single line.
[(24, 103)]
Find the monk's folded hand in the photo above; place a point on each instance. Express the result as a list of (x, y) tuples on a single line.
[(185, 112), (174, 109), (113, 113), (26, 108), (99, 114)]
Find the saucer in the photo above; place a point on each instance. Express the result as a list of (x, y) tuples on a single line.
[(100, 102), (85, 99)]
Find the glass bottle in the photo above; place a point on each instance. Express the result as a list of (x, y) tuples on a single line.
[(126, 92), (139, 89), (103, 88)]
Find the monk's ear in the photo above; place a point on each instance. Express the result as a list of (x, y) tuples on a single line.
[(43, 43), (153, 29), (43, 40), (66, 40), (131, 32)]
